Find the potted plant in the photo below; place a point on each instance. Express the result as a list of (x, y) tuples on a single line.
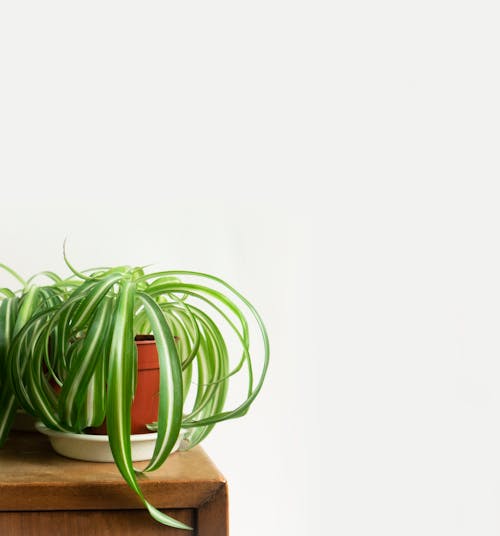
[(74, 365)]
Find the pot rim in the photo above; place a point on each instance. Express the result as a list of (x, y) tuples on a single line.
[(145, 342)]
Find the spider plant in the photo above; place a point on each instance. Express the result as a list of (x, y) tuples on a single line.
[(16, 309), (74, 364)]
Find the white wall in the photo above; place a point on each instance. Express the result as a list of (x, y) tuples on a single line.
[(337, 162)]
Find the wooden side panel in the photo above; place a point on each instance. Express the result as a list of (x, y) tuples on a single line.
[(92, 523), (213, 515)]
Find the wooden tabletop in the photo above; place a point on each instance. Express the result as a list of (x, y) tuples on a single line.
[(33, 477)]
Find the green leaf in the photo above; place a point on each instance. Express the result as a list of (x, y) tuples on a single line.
[(83, 365), (13, 273), (120, 392), (171, 386)]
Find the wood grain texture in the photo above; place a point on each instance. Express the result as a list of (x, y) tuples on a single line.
[(91, 523), (33, 477)]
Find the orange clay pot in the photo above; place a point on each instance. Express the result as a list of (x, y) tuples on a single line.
[(145, 403)]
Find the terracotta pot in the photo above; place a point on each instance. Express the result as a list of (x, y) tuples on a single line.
[(145, 404)]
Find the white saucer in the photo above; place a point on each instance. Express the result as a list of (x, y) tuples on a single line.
[(95, 448)]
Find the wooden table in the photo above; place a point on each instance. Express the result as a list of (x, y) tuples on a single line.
[(42, 493)]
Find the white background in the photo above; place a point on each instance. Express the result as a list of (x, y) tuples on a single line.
[(338, 163)]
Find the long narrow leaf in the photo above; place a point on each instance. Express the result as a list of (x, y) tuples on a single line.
[(120, 383), (171, 395), (75, 385)]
